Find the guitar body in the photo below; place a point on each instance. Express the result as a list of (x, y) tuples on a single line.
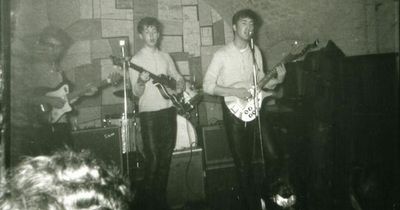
[(49, 114), (170, 94), (246, 110), (167, 87), (57, 113)]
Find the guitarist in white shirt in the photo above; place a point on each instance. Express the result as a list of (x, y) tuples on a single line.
[(157, 114), (230, 73)]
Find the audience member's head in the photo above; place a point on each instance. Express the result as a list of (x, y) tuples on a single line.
[(66, 180)]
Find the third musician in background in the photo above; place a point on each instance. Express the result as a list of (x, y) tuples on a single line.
[(157, 114), (230, 74)]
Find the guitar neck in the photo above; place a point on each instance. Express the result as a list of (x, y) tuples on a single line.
[(289, 57), (161, 79), (76, 94), (169, 82), (141, 69)]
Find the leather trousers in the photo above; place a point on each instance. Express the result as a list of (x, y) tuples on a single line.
[(241, 137), (159, 130)]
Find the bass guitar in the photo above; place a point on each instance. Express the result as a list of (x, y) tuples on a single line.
[(51, 115), (246, 109), (166, 85)]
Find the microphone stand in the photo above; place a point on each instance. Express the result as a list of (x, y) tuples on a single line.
[(124, 124), (256, 99)]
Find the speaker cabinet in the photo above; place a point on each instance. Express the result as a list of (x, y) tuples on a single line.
[(217, 153), (216, 149), (186, 178), (104, 143)]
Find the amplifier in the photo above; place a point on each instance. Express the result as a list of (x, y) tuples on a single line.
[(217, 153), (104, 143), (186, 178)]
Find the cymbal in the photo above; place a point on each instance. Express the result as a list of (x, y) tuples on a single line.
[(120, 93)]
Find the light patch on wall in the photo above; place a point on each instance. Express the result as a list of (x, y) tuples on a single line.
[(170, 10), (124, 4), (206, 36), (86, 9), (205, 18), (191, 37), (63, 13), (171, 44), (171, 27), (190, 13), (96, 9), (215, 16), (78, 54), (189, 2)]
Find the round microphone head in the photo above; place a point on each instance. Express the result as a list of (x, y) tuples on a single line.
[(251, 33), (121, 42)]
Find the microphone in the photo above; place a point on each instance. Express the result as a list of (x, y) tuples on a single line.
[(251, 40), (122, 44)]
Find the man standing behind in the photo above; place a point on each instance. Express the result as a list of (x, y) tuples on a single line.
[(157, 114), (230, 73)]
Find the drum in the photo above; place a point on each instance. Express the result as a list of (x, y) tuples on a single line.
[(186, 134)]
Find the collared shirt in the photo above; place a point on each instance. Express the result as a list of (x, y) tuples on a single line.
[(233, 68), (156, 62)]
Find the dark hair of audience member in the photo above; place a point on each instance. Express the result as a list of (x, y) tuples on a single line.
[(64, 181)]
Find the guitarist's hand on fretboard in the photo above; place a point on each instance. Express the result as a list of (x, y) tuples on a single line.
[(91, 90), (144, 76)]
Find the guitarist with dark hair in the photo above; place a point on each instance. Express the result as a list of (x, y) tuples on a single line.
[(50, 88), (230, 74), (153, 75), (42, 98)]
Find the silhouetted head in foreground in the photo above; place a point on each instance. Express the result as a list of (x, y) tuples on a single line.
[(64, 181)]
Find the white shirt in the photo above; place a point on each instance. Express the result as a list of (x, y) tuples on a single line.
[(156, 62)]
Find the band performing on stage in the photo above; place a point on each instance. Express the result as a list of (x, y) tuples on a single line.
[(164, 105)]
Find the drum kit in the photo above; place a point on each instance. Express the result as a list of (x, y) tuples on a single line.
[(186, 137)]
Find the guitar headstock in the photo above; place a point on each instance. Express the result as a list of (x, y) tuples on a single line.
[(300, 49)]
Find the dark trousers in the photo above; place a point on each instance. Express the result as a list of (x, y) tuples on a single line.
[(241, 138), (158, 130)]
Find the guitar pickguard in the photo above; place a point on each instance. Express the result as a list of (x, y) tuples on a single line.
[(57, 113)]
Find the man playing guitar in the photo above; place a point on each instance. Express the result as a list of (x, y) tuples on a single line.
[(230, 74), (45, 74), (157, 113)]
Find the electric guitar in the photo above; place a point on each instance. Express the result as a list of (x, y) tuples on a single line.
[(246, 109), (165, 84), (51, 115)]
